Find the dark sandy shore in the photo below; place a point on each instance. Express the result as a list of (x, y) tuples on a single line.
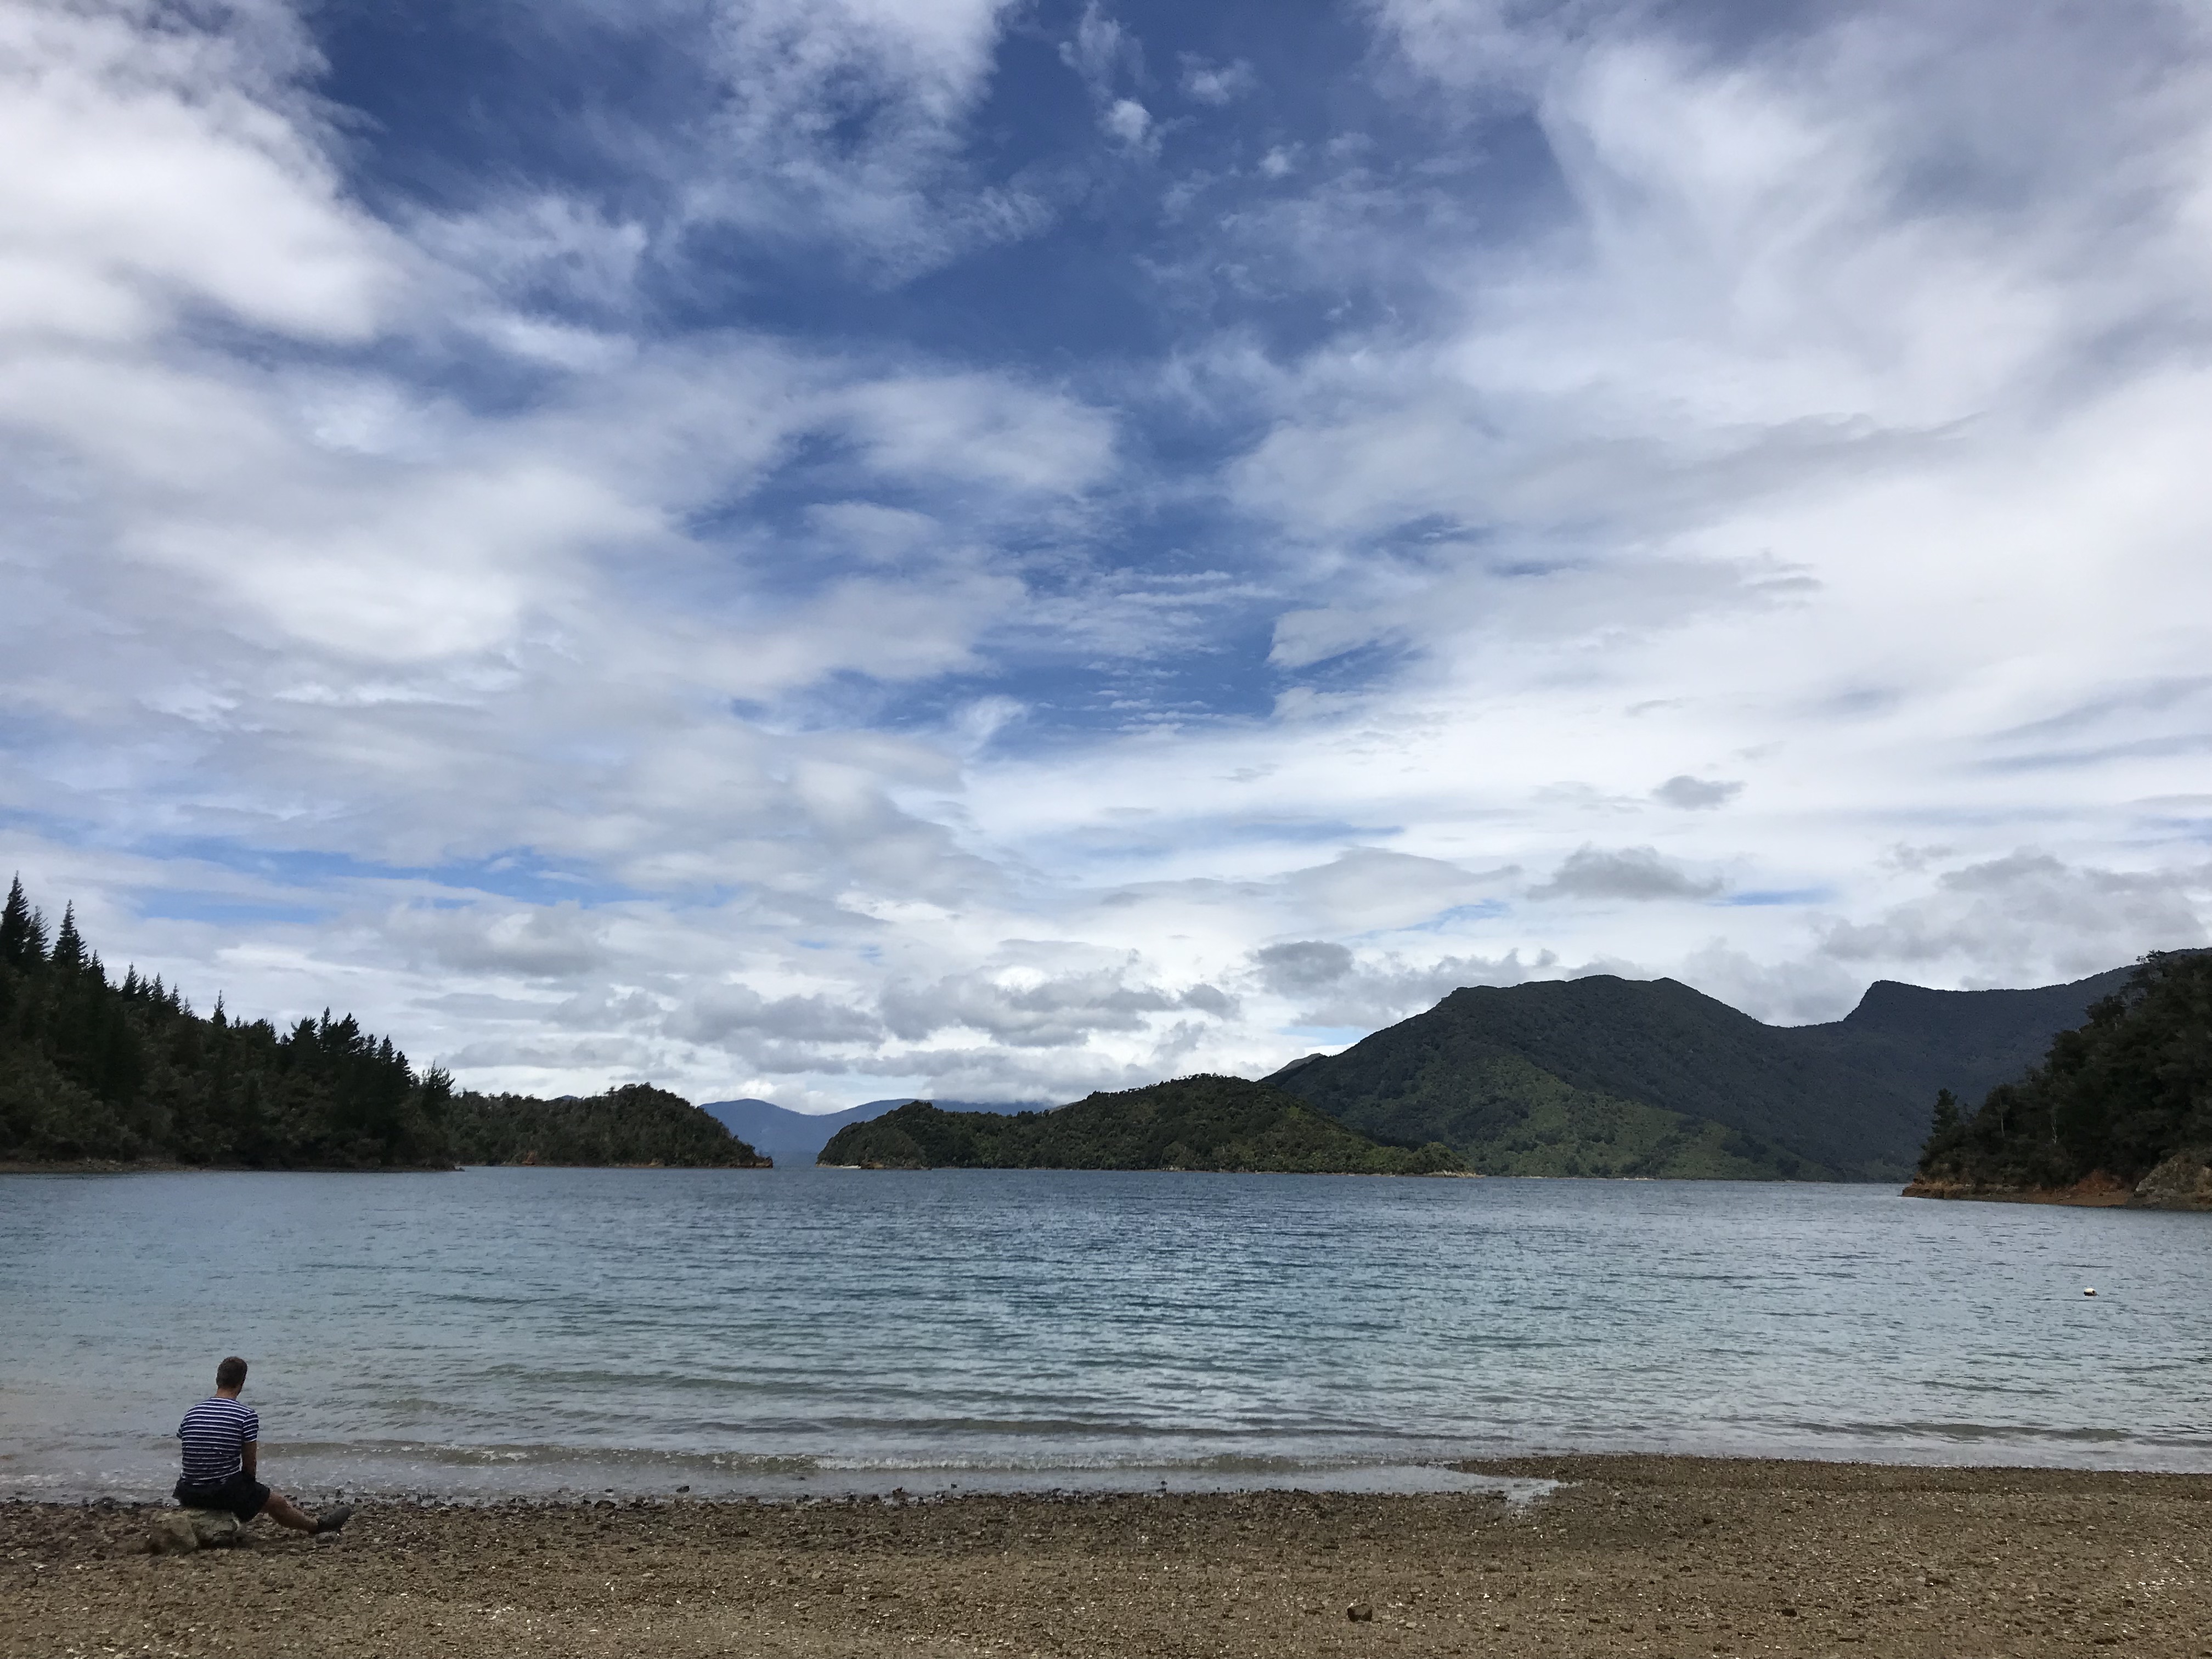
[(1635, 1555)]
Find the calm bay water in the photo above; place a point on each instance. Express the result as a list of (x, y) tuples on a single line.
[(542, 1330)]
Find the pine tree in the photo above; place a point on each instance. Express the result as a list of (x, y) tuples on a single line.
[(2126, 1090), (91, 1069), (68, 954), (1946, 1128), (23, 931)]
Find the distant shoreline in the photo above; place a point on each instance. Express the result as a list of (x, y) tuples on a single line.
[(158, 1166), (2182, 1184), (2090, 1194), (104, 1166), (99, 1166)]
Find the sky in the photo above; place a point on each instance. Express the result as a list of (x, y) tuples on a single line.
[(823, 549)]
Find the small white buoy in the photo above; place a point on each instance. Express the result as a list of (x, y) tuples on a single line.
[(2089, 1289)]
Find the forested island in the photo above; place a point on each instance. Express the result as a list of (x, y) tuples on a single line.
[(2119, 1111), (96, 1071), (1199, 1123)]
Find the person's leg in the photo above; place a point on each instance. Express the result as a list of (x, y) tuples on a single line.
[(285, 1513)]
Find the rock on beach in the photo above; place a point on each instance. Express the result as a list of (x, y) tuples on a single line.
[(2183, 1182), (180, 1532)]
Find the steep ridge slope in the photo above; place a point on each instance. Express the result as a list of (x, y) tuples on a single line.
[(1604, 1076), (1918, 1040)]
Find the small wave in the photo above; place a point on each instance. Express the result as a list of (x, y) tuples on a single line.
[(2001, 1434), (439, 1453), (469, 1472)]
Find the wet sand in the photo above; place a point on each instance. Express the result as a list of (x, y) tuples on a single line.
[(1631, 1556)]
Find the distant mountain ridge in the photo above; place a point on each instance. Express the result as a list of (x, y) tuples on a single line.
[(794, 1139), (1604, 1076), (1195, 1123)]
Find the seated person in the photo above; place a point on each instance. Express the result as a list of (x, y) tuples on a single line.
[(221, 1446)]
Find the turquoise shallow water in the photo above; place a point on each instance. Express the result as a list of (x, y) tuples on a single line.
[(542, 1330)]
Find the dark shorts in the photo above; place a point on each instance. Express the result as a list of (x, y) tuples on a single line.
[(242, 1495)]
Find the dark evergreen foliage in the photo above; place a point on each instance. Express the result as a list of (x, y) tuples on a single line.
[(1203, 1122), (2126, 1091), (95, 1071), (23, 931), (639, 1124)]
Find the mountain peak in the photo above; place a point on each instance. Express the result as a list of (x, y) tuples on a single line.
[(1609, 1076)]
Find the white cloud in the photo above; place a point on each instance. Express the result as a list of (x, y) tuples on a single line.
[(158, 170), (1824, 443), (542, 248), (539, 942), (840, 121), (1129, 124), (981, 426), (1031, 1007), (1695, 794), (1634, 873), (1216, 83), (1105, 54), (718, 1013), (1367, 889), (1101, 51), (1332, 989), (2029, 914)]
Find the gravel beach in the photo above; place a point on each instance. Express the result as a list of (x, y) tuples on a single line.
[(1628, 1555)]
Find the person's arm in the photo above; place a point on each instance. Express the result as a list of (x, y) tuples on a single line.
[(251, 1453)]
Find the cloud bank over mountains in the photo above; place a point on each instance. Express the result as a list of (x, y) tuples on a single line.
[(1004, 549)]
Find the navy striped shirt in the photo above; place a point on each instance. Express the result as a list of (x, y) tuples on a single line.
[(216, 1433)]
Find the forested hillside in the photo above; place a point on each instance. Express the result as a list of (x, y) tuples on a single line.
[(1604, 1076), (640, 1124), (2128, 1092), (91, 1069), (1214, 1123)]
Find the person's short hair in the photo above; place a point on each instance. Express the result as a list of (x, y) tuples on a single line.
[(231, 1374)]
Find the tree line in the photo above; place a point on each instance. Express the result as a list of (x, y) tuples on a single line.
[(93, 1069), (2120, 1094), (1202, 1122)]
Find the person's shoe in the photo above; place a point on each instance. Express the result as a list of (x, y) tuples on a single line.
[(332, 1520)]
